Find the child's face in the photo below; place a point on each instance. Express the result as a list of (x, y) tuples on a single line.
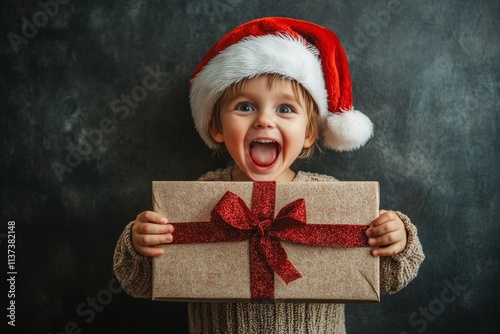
[(264, 129)]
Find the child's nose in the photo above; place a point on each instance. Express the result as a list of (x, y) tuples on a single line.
[(265, 119)]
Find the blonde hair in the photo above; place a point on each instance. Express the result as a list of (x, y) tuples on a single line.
[(301, 94)]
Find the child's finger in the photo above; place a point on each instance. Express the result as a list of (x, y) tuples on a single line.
[(150, 251), (385, 239), (384, 216), (152, 217), (388, 250), (149, 228), (144, 243), (147, 240), (381, 241), (387, 227)]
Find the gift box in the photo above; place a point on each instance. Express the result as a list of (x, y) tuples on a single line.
[(267, 242)]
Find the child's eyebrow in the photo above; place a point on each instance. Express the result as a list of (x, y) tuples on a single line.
[(241, 95), (249, 95), (289, 97)]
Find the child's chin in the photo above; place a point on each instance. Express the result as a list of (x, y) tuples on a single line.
[(260, 175), (270, 175), (264, 178), (263, 174)]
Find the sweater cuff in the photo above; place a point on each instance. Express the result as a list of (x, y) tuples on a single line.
[(412, 242), (129, 245)]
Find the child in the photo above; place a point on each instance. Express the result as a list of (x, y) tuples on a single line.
[(265, 93)]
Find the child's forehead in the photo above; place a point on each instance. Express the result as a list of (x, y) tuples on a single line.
[(272, 82)]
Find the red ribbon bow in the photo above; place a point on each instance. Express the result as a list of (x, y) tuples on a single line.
[(231, 220)]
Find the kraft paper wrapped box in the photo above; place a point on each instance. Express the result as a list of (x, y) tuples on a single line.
[(222, 271)]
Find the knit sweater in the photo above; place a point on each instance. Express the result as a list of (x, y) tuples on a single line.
[(134, 273)]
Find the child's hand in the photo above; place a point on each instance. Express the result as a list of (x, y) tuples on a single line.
[(151, 229), (387, 233)]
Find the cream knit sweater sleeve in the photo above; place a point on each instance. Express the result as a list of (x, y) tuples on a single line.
[(133, 270), (398, 270)]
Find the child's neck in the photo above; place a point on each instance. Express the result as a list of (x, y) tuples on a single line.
[(238, 175)]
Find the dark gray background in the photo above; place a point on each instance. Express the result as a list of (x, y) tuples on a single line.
[(426, 73)]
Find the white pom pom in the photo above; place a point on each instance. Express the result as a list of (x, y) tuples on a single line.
[(347, 131)]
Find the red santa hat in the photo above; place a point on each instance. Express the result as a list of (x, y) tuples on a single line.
[(295, 49)]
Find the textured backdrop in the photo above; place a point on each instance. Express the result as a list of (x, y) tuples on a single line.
[(95, 106)]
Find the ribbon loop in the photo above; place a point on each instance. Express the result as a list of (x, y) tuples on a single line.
[(233, 211)]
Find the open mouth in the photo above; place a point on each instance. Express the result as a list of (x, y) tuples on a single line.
[(264, 152)]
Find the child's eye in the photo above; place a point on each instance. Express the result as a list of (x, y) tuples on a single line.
[(284, 109), (247, 107)]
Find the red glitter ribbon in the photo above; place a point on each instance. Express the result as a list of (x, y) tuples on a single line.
[(231, 220)]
